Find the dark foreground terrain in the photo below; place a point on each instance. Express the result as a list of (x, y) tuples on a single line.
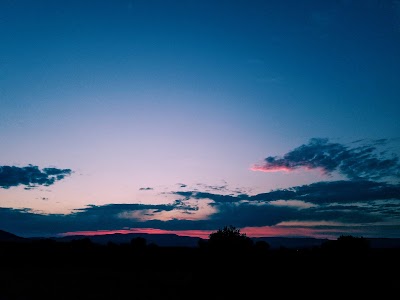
[(80, 269)]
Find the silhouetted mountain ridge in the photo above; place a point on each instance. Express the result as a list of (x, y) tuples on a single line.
[(173, 240), (291, 242), (9, 237), (161, 240)]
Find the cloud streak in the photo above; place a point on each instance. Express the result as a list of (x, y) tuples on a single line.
[(30, 176), (359, 162), (146, 189), (341, 191), (324, 192)]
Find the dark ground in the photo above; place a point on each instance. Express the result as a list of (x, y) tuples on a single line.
[(83, 270)]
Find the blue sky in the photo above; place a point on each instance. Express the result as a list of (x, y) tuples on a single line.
[(125, 115)]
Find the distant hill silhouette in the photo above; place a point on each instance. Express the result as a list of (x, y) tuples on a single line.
[(161, 240), (78, 267), (287, 242), (384, 242), (9, 237), (173, 240)]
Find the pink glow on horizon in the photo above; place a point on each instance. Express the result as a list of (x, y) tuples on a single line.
[(264, 231)]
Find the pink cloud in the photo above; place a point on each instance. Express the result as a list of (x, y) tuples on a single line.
[(270, 168)]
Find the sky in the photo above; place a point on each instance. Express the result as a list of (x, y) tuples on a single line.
[(280, 118)]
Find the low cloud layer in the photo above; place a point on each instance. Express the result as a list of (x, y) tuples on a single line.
[(30, 176), (330, 208), (365, 161)]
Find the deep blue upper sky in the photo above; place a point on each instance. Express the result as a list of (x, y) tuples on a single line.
[(140, 98)]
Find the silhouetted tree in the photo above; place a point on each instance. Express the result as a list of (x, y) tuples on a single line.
[(262, 246), (347, 244), (352, 243), (111, 244), (202, 243), (82, 243), (139, 243), (229, 238)]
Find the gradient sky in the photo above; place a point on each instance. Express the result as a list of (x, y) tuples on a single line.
[(278, 117)]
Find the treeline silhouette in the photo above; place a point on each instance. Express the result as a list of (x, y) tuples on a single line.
[(228, 265)]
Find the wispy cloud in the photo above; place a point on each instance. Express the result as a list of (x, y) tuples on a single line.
[(30, 176), (357, 162), (212, 196), (146, 189)]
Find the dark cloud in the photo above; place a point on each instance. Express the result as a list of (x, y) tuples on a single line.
[(30, 176), (212, 188), (375, 204), (357, 162), (346, 202), (115, 209), (247, 214), (212, 196), (27, 222), (341, 191), (146, 189)]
